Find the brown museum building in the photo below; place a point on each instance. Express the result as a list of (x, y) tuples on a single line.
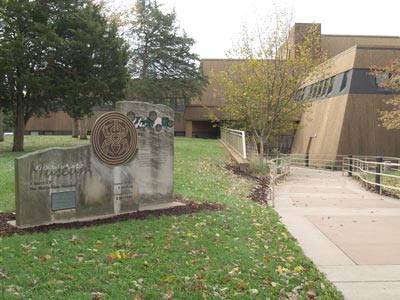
[(343, 117)]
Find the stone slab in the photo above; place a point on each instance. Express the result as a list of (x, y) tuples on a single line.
[(321, 190), (343, 202), (365, 273), (98, 189), (369, 290), (155, 129), (83, 219), (160, 206), (367, 240), (313, 242)]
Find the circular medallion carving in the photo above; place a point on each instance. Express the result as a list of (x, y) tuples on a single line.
[(114, 138)]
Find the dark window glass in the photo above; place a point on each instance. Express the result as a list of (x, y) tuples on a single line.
[(381, 78), (330, 86), (344, 80), (307, 93), (321, 90)]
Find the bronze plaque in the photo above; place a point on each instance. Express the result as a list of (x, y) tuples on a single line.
[(63, 200), (114, 138)]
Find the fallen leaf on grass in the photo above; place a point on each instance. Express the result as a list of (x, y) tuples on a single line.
[(253, 291), (192, 235), (267, 259), (281, 269), (45, 258), (168, 294), (170, 279), (97, 295), (298, 269), (116, 256), (241, 285), (13, 289), (311, 294)]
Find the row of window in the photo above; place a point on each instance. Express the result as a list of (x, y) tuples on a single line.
[(323, 88)]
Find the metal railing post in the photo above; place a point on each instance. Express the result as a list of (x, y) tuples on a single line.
[(307, 159), (378, 176), (244, 145), (350, 165)]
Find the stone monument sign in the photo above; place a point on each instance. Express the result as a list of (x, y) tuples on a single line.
[(127, 167)]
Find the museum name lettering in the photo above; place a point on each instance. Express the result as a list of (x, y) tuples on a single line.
[(44, 171)]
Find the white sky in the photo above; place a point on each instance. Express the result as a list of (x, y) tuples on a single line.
[(217, 24)]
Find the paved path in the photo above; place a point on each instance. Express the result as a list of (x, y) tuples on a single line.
[(352, 235)]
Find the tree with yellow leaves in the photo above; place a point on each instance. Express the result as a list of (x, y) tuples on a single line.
[(262, 85), (389, 78)]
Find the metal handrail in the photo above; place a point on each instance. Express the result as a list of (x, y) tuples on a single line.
[(362, 169), (236, 139), (279, 167)]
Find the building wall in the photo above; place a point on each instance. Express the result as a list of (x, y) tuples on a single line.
[(320, 127), (346, 124), (345, 121), (361, 134), (213, 95), (335, 44), (57, 123)]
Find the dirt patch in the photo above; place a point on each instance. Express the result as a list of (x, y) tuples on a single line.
[(260, 190), (187, 209)]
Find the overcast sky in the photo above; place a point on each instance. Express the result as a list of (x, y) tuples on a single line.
[(217, 24)]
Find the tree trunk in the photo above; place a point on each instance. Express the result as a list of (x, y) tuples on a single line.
[(1, 126), (75, 128), (261, 140), (83, 128), (19, 128)]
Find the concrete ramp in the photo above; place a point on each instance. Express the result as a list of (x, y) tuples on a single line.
[(351, 234)]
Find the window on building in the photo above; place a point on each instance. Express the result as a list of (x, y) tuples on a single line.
[(329, 86), (322, 90), (299, 96), (314, 88), (380, 78), (345, 80), (307, 93)]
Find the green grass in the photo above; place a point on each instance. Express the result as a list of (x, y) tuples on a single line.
[(243, 252), (386, 180)]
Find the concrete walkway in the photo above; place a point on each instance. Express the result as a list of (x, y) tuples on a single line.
[(352, 235)]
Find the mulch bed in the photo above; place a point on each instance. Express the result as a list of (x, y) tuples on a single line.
[(187, 209), (260, 190), (258, 194)]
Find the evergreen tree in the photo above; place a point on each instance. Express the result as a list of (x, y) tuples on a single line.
[(57, 54), (94, 59), (1, 126), (27, 48), (164, 70)]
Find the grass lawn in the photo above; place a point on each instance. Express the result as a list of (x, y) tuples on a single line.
[(242, 252)]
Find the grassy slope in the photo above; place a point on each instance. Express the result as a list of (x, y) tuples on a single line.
[(243, 252)]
